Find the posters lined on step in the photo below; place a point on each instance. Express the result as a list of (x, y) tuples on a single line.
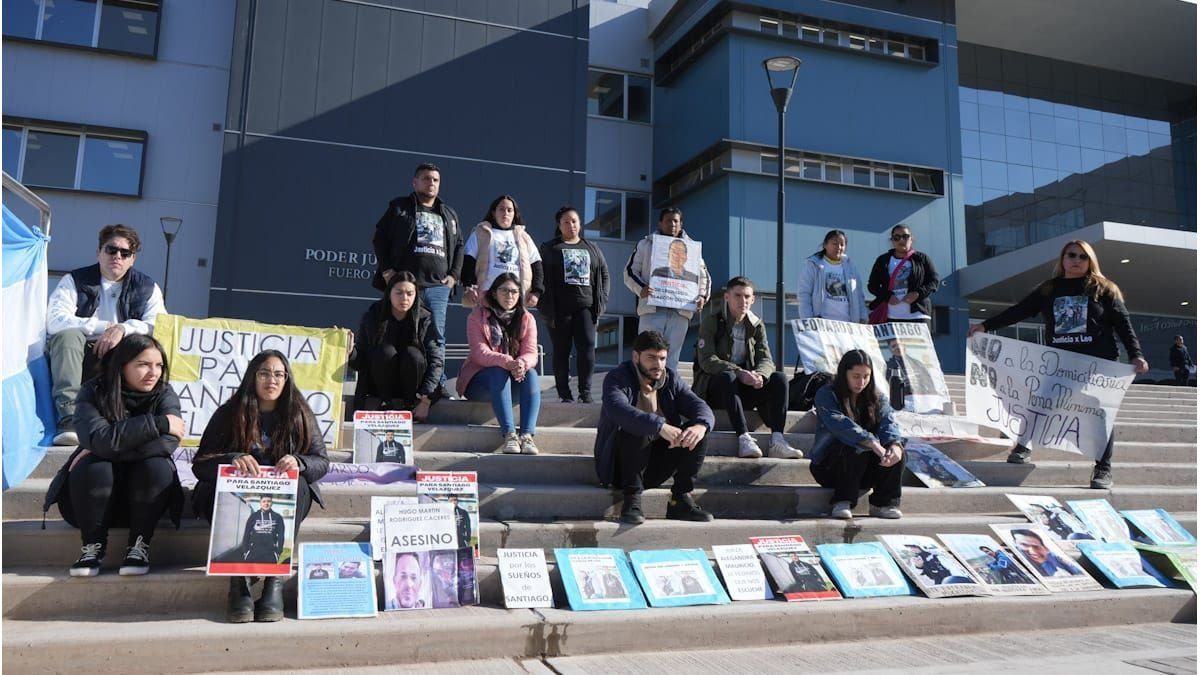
[(1034, 545), (863, 570), (1046, 511), (935, 470), (675, 272), (794, 569), (995, 567), (677, 578), (378, 506), (598, 578), (1101, 519), (524, 578), (459, 489), (383, 436), (1156, 526), (1177, 563), (421, 560), (254, 518), (742, 572), (335, 580), (1121, 564), (937, 573)]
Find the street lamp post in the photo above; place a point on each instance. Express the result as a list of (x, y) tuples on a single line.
[(781, 77), (170, 229)]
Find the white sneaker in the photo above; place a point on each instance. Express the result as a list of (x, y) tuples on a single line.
[(748, 448), (781, 450), (528, 447), (67, 438), (889, 512), (512, 445), (841, 511)]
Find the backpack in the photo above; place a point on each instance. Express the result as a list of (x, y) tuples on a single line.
[(803, 388)]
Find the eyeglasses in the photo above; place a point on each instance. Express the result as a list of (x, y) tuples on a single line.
[(117, 250), (1072, 255), (901, 237), (267, 375), (508, 290)]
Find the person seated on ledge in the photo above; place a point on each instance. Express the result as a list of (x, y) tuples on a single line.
[(503, 339), (652, 427), (128, 423), (397, 352), (858, 444), (265, 423), (733, 368), (89, 312)]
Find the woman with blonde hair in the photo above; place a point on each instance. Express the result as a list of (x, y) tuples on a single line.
[(1082, 310)]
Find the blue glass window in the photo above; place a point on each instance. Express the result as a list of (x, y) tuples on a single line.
[(1091, 136), (1044, 155), (111, 165), (1041, 127), (1020, 178), (992, 147), (995, 175), (12, 151), (991, 119), (1019, 150), (970, 143), (50, 159), (972, 172), (21, 17), (1066, 131), (1068, 158), (70, 21), (968, 115), (1114, 138), (1016, 123), (1137, 142)]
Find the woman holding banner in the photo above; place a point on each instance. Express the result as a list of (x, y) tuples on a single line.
[(1082, 310), (830, 287), (503, 339), (122, 474), (858, 445), (265, 423), (902, 281), (397, 352)]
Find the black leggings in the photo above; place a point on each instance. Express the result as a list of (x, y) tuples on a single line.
[(578, 329), (848, 471), (726, 393), (99, 488), (397, 373)]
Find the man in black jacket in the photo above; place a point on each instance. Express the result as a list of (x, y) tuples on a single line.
[(262, 542), (652, 427), (391, 450), (1181, 361), (420, 233)]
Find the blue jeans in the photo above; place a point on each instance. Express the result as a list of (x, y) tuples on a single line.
[(496, 384), (673, 327), (437, 298)]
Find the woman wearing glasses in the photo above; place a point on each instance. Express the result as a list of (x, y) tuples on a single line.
[(503, 339), (1082, 310), (265, 423), (902, 281)]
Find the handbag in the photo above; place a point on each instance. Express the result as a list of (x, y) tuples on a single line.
[(880, 313)]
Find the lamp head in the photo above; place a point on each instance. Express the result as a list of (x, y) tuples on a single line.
[(170, 227), (781, 77)]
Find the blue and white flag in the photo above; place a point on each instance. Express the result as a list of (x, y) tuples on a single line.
[(28, 408)]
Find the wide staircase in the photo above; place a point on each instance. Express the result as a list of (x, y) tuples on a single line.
[(172, 619)]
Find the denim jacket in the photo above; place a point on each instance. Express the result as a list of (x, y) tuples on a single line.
[(834, 426)]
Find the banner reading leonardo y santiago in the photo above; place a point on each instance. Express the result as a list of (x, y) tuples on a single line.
[(1044, 397), (208, 358)]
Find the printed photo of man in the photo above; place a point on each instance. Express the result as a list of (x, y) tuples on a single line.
[(262, 540), (677, 256), (1033, 548), (407, 582), (390, 450)]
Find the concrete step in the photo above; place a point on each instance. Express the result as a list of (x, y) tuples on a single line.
[(186, 640)]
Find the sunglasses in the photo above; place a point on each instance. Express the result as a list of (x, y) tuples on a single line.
[(117, 250), (1071, 255), (901, 237)]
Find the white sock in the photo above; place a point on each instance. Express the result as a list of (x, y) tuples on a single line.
[(777, 438)]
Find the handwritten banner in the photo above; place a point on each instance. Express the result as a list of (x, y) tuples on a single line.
[(1044, 397)]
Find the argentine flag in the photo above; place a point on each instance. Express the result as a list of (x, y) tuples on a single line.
[(27, 417)]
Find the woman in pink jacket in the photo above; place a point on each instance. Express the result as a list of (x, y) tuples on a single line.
[(503, 339)]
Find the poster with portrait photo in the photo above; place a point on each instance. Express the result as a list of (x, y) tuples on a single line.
[(1156, 526), (794, 569), (677, 577), (1122, 565), (912, 372), (577, 267), (254, 518), (336, 580), (384, 436), (996, 568), (675, 272), (1035, 547), (863, 570), (418, 557), (937, 573), (1100, 518), (935, 470), (598, 578), (459, 489), (1046, 511)]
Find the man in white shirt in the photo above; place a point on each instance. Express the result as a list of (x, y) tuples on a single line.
[(91, 309)]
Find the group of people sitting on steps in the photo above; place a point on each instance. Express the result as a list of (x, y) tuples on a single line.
[(126, 421)]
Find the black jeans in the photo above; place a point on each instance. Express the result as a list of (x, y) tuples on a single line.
[(397, 373), (1181, 376), (646, 462), (848, 472), (577, 329), (100, 487), (726, 393), (1105, 461), (204, 496)]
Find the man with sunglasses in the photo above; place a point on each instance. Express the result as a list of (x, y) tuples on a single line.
[(90, 311)]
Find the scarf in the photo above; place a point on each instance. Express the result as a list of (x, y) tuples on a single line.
[(498, 320), (139, 402)]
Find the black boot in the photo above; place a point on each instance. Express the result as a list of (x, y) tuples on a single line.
[(241, 603), (270, 606)]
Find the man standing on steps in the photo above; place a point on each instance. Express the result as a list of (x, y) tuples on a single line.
[(419, 233), (671, 323), (733, 370), (652, 427)]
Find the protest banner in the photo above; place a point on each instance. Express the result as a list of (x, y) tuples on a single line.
[(937, 573), (1100, 518), (208, 360), (335, 580), (995, 567), (1036, 548), (344, 473), (677, 578), (675, 276), (864, 570), (598, 578), (383, 436), (1044, 510), (936, 428), (524, 578), (1044, 397), (420, 558), (742, 572), (934, 469), (1121, 564), (794, 569), (378, 506), (1156, 526), (254, 518)]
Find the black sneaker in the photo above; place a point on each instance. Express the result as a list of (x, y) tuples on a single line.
[(585, 397), (683, 508), (566, 399), (90, 559), (631, 510), (137, 559), (1019, 455), (1101, 478)]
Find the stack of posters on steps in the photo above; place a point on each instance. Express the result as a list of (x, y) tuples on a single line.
[(420, 559), (794, 569), (677, 577), (934, 469), (524, 578), (1101, 519), (995, 568), (1035, 546), (335, 580), (383, 436), (254, 519), (1121, 564), (1177, 563), (937, 573), (742, 572), (675, 272), (863, 570), (598, 578), (1156, 526), (459, 489), (378, 507), (1046, 511)]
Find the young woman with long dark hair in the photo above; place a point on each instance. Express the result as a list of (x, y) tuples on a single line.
[(503, 339), (128, 422), (858, 445), (501, 244), (265, 423), (830, 286)]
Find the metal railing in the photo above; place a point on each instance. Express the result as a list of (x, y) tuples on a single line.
[(13, 185)]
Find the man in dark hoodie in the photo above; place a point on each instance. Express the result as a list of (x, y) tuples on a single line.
[(262, 542)]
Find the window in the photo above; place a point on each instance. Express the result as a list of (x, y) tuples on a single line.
[(768, 26), (846, 170), (619, 96), (862, 175), (58, 156), (613, 214), (812, 169), (810, 33), (126, 26)]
